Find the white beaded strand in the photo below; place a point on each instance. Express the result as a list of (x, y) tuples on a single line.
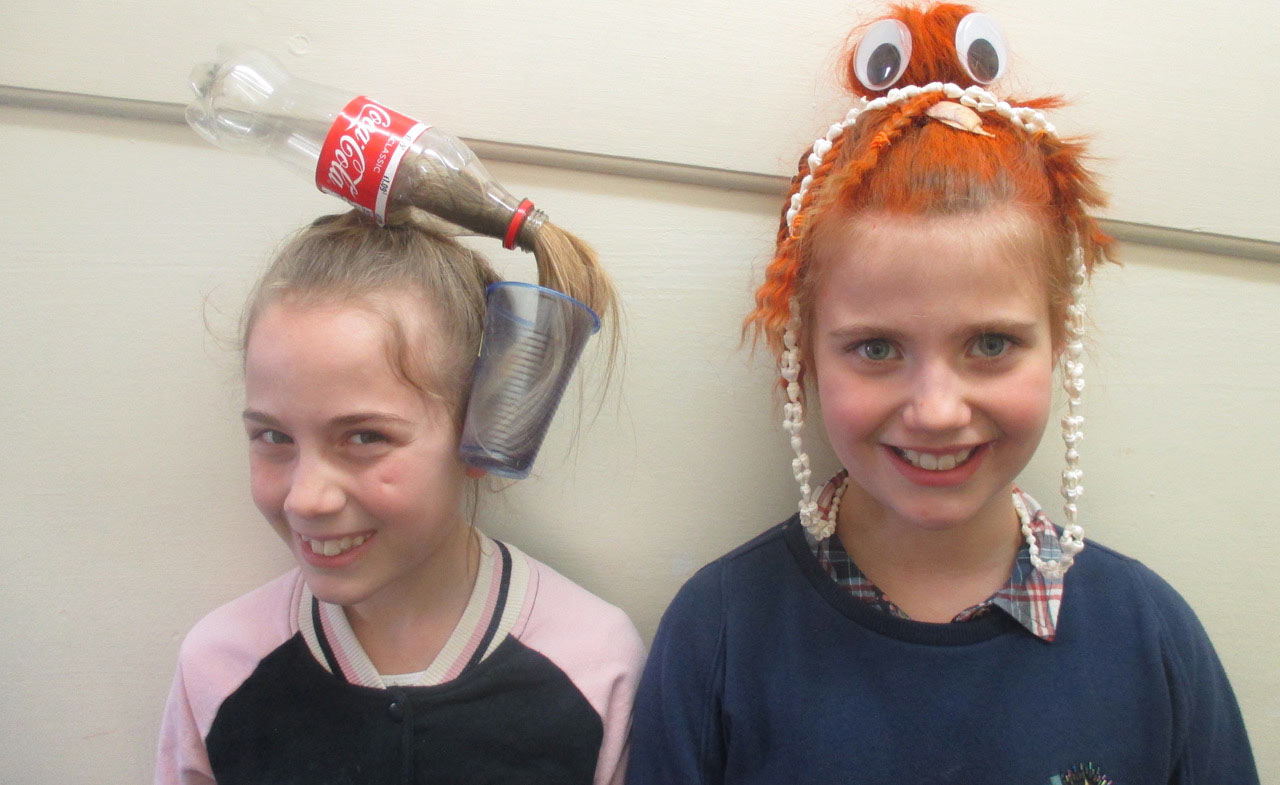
[(793, 422), (1072, 539), (828, 521), (821, 526)]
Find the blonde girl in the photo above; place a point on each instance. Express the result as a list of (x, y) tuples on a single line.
[(405, 646)]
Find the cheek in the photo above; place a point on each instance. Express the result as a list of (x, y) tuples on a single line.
[(851, 406), (391, 482), (849, 415), (413, 480), (268, 485), (1027, 403)]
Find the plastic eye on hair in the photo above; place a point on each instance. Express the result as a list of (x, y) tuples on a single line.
[(883, 54), (981, 48)]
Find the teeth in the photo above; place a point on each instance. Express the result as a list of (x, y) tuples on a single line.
[(935, 463), (334, 547)]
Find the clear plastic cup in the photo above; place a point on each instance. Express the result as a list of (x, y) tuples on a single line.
[(533, 337)]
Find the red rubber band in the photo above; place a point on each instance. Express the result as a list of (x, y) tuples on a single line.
[(517, 220)]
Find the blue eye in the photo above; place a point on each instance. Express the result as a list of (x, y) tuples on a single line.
[(367, 437), (876, 350), (991, 345)]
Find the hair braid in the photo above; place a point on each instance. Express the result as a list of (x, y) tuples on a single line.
[(901, 118), (802, 171), (773, 298), (777, 268)]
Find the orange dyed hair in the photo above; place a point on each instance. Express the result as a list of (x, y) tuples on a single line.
[(898, 160)]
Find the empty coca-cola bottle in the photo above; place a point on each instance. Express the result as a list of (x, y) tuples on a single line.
[(372, 156)]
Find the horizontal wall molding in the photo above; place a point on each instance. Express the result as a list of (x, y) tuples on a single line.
[(646, 169)]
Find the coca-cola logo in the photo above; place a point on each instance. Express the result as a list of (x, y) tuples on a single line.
[(365, 143), (347, 165)]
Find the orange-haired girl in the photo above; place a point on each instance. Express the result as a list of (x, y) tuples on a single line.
[(914, 622)]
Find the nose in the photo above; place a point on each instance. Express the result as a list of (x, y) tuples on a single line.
[(937, 400), (314, 489)]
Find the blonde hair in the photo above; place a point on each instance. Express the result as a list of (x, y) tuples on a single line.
[(432, 185), (349, 258), (568, 264)]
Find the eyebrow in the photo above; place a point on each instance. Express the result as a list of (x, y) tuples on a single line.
[(361, 418), (863, 330), (345, 421), (251, 415), (1004, 326)]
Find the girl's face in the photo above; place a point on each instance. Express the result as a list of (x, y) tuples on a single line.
[(355, 469), (934, 363)]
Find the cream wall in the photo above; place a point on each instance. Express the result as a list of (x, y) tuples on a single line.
[(124, 473), (1168, 87), (127, 249)]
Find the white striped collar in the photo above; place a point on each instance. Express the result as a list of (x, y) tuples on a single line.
[(505, 584)]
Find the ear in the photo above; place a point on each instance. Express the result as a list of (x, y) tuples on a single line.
[(474, 472)]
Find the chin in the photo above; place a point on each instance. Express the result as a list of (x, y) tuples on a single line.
[(335, 591), (933, 520), (936, 515)]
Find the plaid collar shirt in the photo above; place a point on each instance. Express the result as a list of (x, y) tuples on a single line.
[(1030, 598)]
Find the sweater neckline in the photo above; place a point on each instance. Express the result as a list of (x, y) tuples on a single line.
[(497, 604), (983, 628), (1032, 599)]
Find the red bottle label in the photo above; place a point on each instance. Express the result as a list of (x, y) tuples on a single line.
[(362, 152)]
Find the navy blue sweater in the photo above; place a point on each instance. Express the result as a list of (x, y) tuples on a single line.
[(765, 671)]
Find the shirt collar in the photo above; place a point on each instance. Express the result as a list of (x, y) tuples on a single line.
[(1029, 597)]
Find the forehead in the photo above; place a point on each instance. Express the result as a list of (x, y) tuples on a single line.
[(942, 268), (322, 353), (313, 343)]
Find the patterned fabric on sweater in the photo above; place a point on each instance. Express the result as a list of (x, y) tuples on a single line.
[(1030, 598)]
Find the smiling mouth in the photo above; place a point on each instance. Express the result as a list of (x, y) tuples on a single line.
[(333, 547), (932, 462)]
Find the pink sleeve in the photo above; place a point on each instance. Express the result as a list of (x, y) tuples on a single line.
[(598, 648), (181, 759), (615, 708), (218, 654)]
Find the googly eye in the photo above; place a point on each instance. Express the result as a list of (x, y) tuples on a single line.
[(883, 54), (981, 48)]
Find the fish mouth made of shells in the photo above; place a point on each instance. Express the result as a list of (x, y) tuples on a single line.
[(957, 116)]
